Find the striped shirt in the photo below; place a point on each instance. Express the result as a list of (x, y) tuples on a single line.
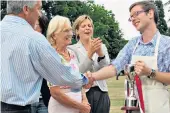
[(27, 58), (145, 49)]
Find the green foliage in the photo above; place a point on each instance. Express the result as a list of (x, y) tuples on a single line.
[(104, 22), (162, 25), (3, 9), (105, 25)]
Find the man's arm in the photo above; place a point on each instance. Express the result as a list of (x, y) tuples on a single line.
[(163, 77), (104, 73), (117, 65), (48, 64)]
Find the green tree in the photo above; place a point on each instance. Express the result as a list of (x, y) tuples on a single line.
[(105, 25), (107, 28), (3, 9), (162, 25)]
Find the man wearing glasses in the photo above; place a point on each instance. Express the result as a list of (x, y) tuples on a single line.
[(150, 55)]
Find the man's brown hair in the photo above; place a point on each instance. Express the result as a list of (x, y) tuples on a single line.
[(147, 5)]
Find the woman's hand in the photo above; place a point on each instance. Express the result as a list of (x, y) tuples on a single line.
[(142, 69), (85, 102), (99, 50), (95, 45), (85, 108)]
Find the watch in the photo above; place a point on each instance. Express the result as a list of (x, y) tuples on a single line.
[(153, 73), (100, 58)]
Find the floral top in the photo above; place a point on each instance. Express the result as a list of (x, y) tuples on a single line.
[(73, 63)]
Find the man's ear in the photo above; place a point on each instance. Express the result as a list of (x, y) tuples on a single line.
[(151, 13), (25, 10)]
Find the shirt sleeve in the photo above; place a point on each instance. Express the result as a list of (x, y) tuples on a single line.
[(124, 56), (48, 64)]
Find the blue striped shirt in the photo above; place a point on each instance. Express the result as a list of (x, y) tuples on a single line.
[(27, 57), (145, 49)]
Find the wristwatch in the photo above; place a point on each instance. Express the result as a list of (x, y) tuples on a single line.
[(100, 58), (153, 73)]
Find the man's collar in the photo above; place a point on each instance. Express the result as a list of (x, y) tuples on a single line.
[(16, 19), (153, 41)]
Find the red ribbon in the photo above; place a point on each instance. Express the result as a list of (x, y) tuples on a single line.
[(139, 88)]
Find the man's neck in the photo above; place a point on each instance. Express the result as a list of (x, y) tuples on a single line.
[(149, 33)]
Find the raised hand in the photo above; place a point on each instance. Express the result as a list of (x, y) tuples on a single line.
[(95, 44), (99, 49), (141, 68)]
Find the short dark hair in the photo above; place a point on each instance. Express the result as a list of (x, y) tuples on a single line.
[(147, 5), (43, 22)]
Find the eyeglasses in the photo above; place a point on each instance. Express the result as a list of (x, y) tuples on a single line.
[(136, 14)]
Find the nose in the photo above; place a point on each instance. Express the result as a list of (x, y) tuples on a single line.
[(87, 27)]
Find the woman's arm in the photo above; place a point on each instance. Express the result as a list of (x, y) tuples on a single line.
[(106, 61), (84, 97)]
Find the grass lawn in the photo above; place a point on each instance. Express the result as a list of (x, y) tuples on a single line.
[(116, 93)]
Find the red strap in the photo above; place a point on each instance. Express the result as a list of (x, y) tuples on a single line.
[(127, 92), (139, 88)]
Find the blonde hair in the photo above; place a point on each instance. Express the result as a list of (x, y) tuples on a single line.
[(78, 22), (56, 25)]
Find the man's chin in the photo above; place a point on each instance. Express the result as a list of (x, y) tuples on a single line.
[(138, 29)]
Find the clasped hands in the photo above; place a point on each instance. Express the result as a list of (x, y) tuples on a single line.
[(90, 78)]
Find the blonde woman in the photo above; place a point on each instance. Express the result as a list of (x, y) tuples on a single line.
[(92, 55), (63, 98)]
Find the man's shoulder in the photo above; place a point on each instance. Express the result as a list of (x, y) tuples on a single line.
[(165, 38), (37, 37), (165, 41), (35, 34)]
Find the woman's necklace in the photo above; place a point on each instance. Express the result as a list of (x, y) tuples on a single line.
[(64, 54)]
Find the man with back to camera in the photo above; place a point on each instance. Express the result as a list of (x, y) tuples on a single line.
[(28, 58)]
